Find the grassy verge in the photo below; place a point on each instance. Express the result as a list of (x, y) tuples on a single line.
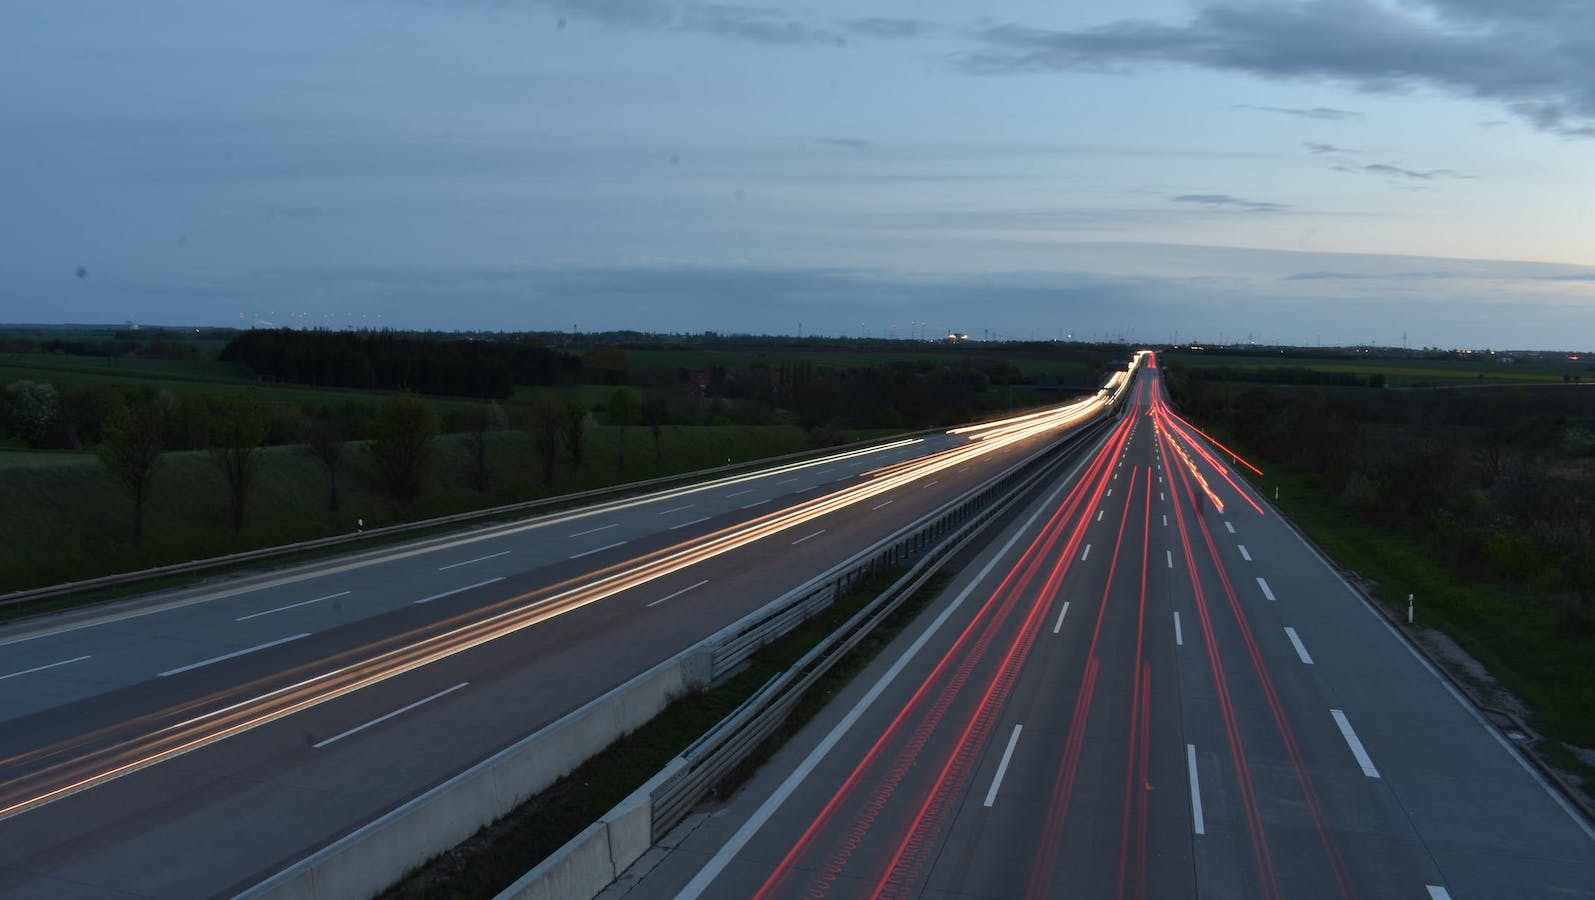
[(1502, 626), (507, 849)]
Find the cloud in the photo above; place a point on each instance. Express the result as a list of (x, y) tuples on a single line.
[(1319, 149), (1226, 201), (846, 143), (1324, 113), (758, 24), (889, 29), (1369, 276), (1402, 172), (1533, 59)]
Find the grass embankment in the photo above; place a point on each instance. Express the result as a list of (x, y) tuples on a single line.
[(68, 520), (1505, 627), (504, 851)]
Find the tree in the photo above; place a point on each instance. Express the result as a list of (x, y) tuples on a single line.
[(405, 429), (547, 426), (324, 441), (237, 429), (132, 452), (624, 407), (482, 419), (575, 428), (654, 410), (31, 408)]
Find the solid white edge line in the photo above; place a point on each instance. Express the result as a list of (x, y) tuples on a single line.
[(594, 530), (1058, 625), (1179, 637), (224, 656), (460, 590), (717, 863), (63, 662), (1244, 555), (807, 537), (1295, 641), (1437, 892), (383, 718), (1198, 823), (469, 561), (1266, 592), (692, 587), (1355, 744), (1002, 767), (596, 550), (267, 612), (693, 522)]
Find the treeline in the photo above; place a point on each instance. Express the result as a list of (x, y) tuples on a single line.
[(1284, 375), (388, 360), (123, 344)]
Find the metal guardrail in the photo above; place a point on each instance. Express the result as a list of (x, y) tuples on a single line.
[(934, 542), (524, 506)]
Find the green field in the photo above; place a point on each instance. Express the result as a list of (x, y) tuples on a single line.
[(1403, 372), (1032, 364)]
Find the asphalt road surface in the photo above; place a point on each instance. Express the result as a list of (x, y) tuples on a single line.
[(1148, 687)]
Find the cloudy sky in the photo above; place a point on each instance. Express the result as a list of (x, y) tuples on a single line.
[(1328, 171)]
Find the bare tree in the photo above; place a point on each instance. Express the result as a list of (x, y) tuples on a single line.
[(575, 430), (237, 429), (132, 452), (624, 407), (483, 419), (547, 425), (324, 441)]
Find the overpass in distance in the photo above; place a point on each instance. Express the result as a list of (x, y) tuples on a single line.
[(1148, 686)]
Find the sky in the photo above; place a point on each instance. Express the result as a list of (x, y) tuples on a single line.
[(1292, 171)]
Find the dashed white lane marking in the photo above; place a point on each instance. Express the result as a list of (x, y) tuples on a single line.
[(1109, 493), (808, 537), (64, 662), (1230, 525), (595, 530), (1165, 521), (1437, 892), (596, 550), (1244, 555), (460, 590), (1295, 641), (469, 561), (1058, 625), (1002, 767), (1179, 636), (675, 509), (235, 653), (739, 493), (1169, 555), (786, 481), (1086, 553), (693, 522), (1099, 514), (1266, 592), (692, 587), (1198, 824), (753, 504), (933, 483), (1354, 744), (383, 718), (267, 612), (1160, 496), (881, 505)]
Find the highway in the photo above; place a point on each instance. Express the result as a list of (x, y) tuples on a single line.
[(195, 742), (1148, 686)]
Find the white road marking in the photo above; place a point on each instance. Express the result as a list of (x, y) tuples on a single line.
[(1109, 493), (1160, 496), (1100, 513), (63, 662), (460, 590), (1230, 525), (1116, 474), (595, 530), (1179, 637), (1086, 553), (469, 561), (807, 537), (279, 609), (235, 653), (1295, 641), (676, 509), (1002, 767), (738, 493), (693, 522), (1165, 518), (1437, 892), (933, 483), (1058, 625), (691, 587), (383, 718), (1244, 555), (1356, 745), (596, 550), (1266, 592), (786, 481), (717, 863), (881, 505), (1198, 824), (1169, 555)]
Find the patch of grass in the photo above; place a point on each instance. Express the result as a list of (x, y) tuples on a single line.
[(1401, 372), (504, 851)]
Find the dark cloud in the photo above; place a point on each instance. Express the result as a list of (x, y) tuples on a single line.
[(1577, 276), (1324, 113), (1535, 58), (889, 29), (1402, 172), (1316, 148), (1226, 201)]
